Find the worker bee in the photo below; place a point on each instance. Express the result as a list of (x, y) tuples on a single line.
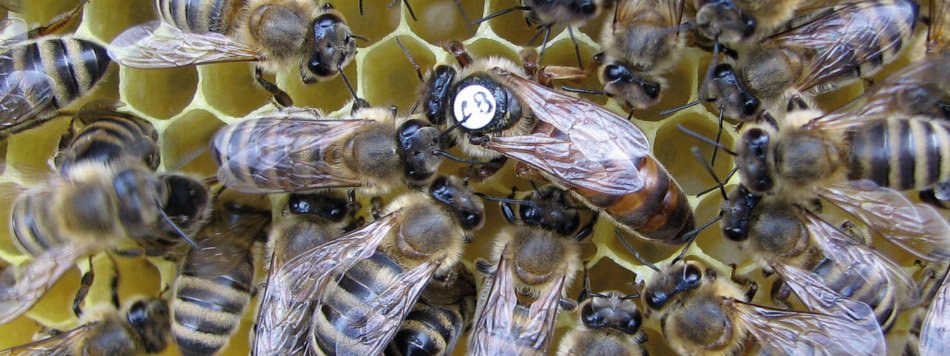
[(781, 234), (214, 283), (107, 135), (782, 72), (545, 14), (535, 259), (142, 326), (297, 152), (95, 208), (608, 324), (363, 284), (275, 34), (436, 322), (601, 157), (856, 157), (702, 314), (641, 44), (740, 22), (41, 74), (308, 220)]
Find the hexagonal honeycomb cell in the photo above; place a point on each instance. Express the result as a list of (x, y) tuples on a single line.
[(187, 105)]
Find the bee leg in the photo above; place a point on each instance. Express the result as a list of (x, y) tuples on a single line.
[(780, 293), (281, 98), (484, 267), (85, 283), (114, 282), (744, 281), (577, 48), (587, 229), (58, 22)]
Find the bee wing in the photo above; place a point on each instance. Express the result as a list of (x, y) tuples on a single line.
[(626, 10), (12, 31), (379, 322), (599, 150), (24, 96), (158, 44), (224, 246), (785, 332), (494, 325), (935, 332), (496, 316), (58, 345), (835, 41), (292, 286), (918, 228), (818, 298), (268, 155), (857, 260), (22, 286), (937, 40)]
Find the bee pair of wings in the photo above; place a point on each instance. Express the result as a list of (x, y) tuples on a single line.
[(60, 344), (25, 93), (837, 41), (21, 286), (837, 326), (158, 44), (293, 286), (495, 327)]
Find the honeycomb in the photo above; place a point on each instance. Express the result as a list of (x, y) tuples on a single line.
[(187, 105)]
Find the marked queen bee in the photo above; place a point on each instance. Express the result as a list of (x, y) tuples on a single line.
[(363, 284), (275, 34), (578, 145)]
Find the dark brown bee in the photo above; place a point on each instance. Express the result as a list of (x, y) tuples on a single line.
[(276, 34), (363, 284), (641, 45), (444, 311), (107, 135), (214, 284), (578, 145), (41, 74), (308, 221), (702, 314), (782, 234), (141, 327), (295, 151), (535, 259), (783, 71)]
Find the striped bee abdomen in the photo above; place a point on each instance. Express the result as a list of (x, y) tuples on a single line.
[(73, 66), (201, 16), (900, 153)]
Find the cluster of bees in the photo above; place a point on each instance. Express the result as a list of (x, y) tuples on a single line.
[(392, 281)]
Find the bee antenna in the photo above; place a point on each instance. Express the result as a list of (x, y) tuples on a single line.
[(177, 229), (577, 49), (682, 107), (502, 12), (339, 69), (691, 237), (450, 156), (361, 7), (412, 59), (702, 160), (728, 177), (501, 200), (705, 139), (584, 91), (465, 18), (718, 138), (414, 107), (534, 187), (636, 254)]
